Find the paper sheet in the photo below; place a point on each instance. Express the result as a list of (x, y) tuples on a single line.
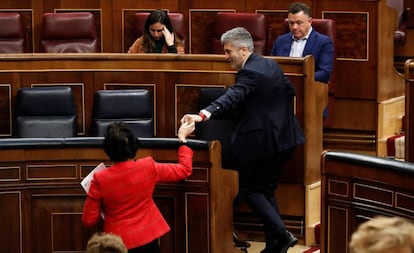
[(86, 182)]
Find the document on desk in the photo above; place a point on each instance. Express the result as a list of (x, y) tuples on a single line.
[(86, 182)]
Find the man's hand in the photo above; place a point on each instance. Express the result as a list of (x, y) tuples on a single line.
[(190, 118), (169, 37)]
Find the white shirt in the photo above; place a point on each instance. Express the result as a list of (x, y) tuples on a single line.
[(298, 45)]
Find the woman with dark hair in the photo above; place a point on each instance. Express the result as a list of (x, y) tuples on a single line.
[(158, 36), (123, 192)]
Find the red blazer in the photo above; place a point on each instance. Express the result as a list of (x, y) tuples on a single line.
[(123, 192)]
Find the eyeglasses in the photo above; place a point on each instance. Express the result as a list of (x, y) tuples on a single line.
[(156, 30)]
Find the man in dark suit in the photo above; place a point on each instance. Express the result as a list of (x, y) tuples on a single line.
[(303, 40), (266, 135)]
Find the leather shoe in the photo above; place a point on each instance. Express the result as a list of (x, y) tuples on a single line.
[(238, 242), (289, 240)]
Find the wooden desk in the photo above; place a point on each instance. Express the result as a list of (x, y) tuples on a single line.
[(42, 200), (175, 82), (358, 187)]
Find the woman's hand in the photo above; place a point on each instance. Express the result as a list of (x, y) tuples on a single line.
[(189, 118), (186, 129), (169, 37)]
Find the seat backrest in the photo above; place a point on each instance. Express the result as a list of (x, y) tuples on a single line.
[(11, 33), (177, 21), (69, 32), (134, 107), (254, 23), (45, 112), (218, 128)]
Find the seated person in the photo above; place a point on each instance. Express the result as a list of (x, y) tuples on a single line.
[(303, 40), (383, 235), (158, 36), (105, 243)]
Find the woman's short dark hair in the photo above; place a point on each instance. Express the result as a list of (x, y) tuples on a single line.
[(120, 143)]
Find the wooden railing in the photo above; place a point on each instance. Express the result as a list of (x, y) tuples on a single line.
[(409, 110)]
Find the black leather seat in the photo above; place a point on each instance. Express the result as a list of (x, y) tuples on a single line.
[(45, 112), (134, 107), (219, 128)]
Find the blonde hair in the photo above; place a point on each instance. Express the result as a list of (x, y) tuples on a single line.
[(381, 234), (105, 243)]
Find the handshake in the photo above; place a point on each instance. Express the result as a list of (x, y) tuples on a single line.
[(188, 125)]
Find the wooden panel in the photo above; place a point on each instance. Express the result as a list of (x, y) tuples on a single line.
[(199, 215), (338, 188), (10, 173), (51, 172), (58, 217), (5, 110), (337, 240), (11, 221), (373, 194), (172, 209), (409, 110)]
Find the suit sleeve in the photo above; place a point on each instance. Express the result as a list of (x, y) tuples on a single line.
[(92, 207), (236, 94), (169, 172), (326, 58)]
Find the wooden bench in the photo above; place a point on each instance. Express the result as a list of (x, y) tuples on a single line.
[(357, 187), (175, 82), (42, 200)]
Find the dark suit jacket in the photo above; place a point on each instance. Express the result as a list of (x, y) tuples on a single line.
[(124, 193), (264, 95), (318, 45)]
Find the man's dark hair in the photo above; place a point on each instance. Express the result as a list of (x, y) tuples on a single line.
[(120, 144), (298, 7)]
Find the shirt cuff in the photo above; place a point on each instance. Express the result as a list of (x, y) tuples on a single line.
[(205, 114)]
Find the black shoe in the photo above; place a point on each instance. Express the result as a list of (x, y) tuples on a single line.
[(240, 243), (286, 242)]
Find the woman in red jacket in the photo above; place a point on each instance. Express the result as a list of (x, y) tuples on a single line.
[(123, 192)]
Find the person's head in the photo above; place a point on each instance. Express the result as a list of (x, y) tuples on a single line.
[(383, 235), (120, 144), (156, 22), (238, 45), (300, 19), (105, 243)]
